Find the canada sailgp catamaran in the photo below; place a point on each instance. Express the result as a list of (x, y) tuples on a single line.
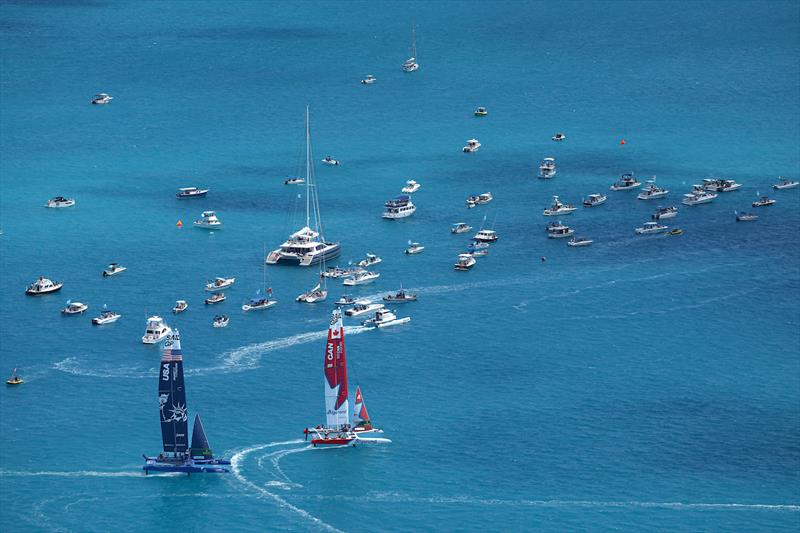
[(178, 456), (338, 430)]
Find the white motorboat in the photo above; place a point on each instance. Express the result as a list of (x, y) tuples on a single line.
[(558, 208), (478, 253), (113, 269), (464, 262), (479, 199), (478, 245), (384, 318), (400, 297), (399, 207), (745, 217), (626, 182), (698, 196), (179, 307), (294, 181), (411, 187), (307, 246), (665, 212), (414, 248), (785, 184), (579, 241), (317, 294), (74, 308), (473, 145), (101, 99), (652, 191), (410, 64), (345, 299), (363, 307), (221, 321), (594, 200), (219, 284), (559, 137), (60, 202), (651, 227), (259, 302), (191, 192), (336, 272), (361, 278), (480, 112), (486, 235), (106, 317), (764, 201), (720, 185), (459, 227), (369, 80), (547, 169), (328, 160), (369, 261), (157, 330), (43, 286), (215, 298), (557, 230), (208, 220)]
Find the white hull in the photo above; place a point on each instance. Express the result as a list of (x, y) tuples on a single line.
[(698, 202), (248, 307), (103, 321), (556, 212), (786, 186), (154, 339), (577, 244), (412, 251), (652, 196), (204, 225), (569, 233), (310, 299), (367, 309), (361, 280), (400, 214), (395, 322)]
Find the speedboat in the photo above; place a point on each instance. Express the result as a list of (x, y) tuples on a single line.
[(465, 262), (698, 196), (652, 191), (336, 272), (101, 98), (651, 227), (221, 321), (384, 318), (547, 169), (399, 207), (720, 185), (363, 307), (625, 182), (481, 112), (558, 208), (745, 217), (559, 137), (579, 241), (180, 307), (361, 278), (191, 192), (74, 308), (473, 145), (217, 297), (478, 245), (369, 261), (594, 200), (317, 294), (480, 199), (294, 181), (328, 160), (411, 186), (414, 248), (486, 235), (156, 330), (59, 202), (259, 302), (106, 317), (764, 201), (459, 227), (43, 286), (557, 230), (219, 284), (785, 184), (665, 212), (113, 269), (477, 252), (675, 231), (370, 79), (400, 296), (209, 220), (345, 299), (15, 379)]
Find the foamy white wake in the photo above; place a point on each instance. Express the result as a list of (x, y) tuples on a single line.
[(79, 473)]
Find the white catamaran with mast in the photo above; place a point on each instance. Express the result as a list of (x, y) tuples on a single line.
[(338, 430), (307, 246), (411, 64)]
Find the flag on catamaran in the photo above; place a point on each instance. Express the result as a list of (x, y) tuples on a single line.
[(336, 404)]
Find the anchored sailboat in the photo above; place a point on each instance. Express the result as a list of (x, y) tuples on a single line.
[(411, 64), (177, 455), (338, 430)]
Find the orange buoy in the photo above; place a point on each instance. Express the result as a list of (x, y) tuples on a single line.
[(622, 141), (179, 224)]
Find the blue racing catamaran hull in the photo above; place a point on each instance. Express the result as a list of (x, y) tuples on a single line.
[(218, 466)]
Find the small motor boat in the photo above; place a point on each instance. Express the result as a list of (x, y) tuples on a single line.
[(106, 317), (651, 227), (579, 241), (14, 379), (208, 220), (459, 227), (328, 160), (59, 202), (764, 201), (746, 217), (785, 184), (481, 112), (219, 284), (400, 296), (414, 248), (191, 192), (74, 308), (101, 99), (345, 299), (361, 278), (369, 80), (43, 286), (369, 261), (221, 321), (113, 269), (294, 181), (215, 298), (473, 145), (384, 318), (559, 137), (465, 262), (411, 186), (180, 307), (675, 231)]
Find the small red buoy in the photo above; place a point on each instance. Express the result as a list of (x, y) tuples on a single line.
[(179, 224), (622, 141)]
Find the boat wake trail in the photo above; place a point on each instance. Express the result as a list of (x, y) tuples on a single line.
[(79, 473)]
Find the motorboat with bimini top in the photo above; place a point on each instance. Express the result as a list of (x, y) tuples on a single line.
[(369, 80), (593, 200), (486, 235), (363, 307), (113, 269), (547, 168), (720, 185), (177, 454), (785, 183), (361, 278), (307, 246), (338, 430), (558, 208), (400, 297), (259, 301), (369, 261), (294, 181), (208, 220), (220, 321), (651, 191), (464, 262), (414, 248), (410, 64), (219, 284), (579, 241), (43, 286), (698, 196), (106, 317), (626, 182), (180, 306), (481, 112), (101, 99), (331, 162), (459, 227), (557, 230), (191, 192), (157, 330), (384, 318), (559, 137), (473, 145), (15, 379), (411, 187), (649, 228), (74, 308), (59, 202), (215, 298), (764, 201), (665, 212), (745, 217)]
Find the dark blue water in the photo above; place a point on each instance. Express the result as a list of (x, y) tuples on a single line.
[(641, 383)]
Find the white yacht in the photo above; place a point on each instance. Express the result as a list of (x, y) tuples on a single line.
[(558, 208), (191, 192), (106, 317), (460, 227), (626, 182), (369, 80), (383, 318), (473, 145), (156, 330), (579, 241), (101, 99), (328, 160), (208, 220), (594, 200), (399, 207), (59, 202), (547, 169), (363, 307), (219, 284), (43, 286), (651, 191), (414, 248), (785, 184), (113, 269), (215, 298), (720, 185), (180, 306), (369, 261), (651, 227), (764, 201), (307, 246), (486, 235), (665, 212), (74, 308), (465, 262), (411, 187), (410, 64), (698, 196), (317, 294), (557, 230), (361, 278)]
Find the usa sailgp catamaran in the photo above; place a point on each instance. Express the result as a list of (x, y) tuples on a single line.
[(178, 456), (338, 430)]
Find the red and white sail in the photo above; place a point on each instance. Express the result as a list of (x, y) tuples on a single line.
[(360, 414), (336, 404)]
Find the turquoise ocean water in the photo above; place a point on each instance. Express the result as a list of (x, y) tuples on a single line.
[(638, 384)]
